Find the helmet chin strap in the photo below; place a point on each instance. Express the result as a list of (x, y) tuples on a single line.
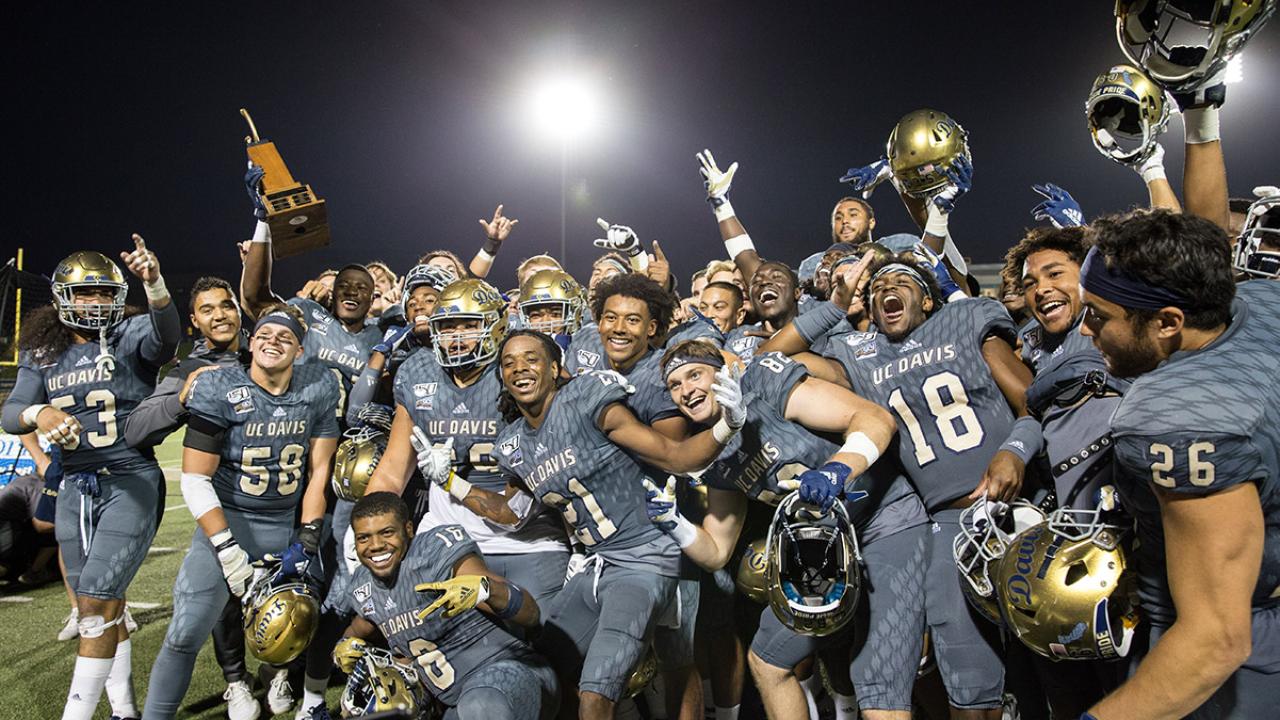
[(104, 361)]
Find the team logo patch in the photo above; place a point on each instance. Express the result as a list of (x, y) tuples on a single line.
[(362, 593), (1032, 337), (319, 329), (510, 448), (588, 358), (319, 316), (366, 608), (426, 403), (424, 389), (236, 395)]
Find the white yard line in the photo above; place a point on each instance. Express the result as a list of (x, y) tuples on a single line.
[(16, 599), (142, 605)]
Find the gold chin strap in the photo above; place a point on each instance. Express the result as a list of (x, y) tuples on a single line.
[(104, 361)]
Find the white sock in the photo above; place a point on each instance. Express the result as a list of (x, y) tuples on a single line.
[(87, 682), (846, 707), (120, 682), (810, 687), (310, 699), (727, 713)]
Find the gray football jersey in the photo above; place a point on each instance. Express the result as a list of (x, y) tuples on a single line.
[(586, 351), (771, 449), (443, 410), (741, 344), (446, 650), (568, 463), (100, 399), (263, 465), (1202, 422), (1041, 349), (330, 343), (952, 417), (651, 401)]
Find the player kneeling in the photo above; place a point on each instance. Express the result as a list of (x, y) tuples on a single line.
[(421, 593)]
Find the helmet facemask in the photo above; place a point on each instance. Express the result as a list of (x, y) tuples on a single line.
[(1126, 114), (1261, 228), (1183, 44), (987, 530), (814, 568)]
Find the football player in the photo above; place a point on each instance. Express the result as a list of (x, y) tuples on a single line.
[(552, 302), (433, 597), (1195, 440), (84, 367), (252, 437), (950, 376), (775, 294), (448, 400), (571, 446), (784, 442)]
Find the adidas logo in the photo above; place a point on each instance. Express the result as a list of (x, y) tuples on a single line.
[(278, 412), (540, 449), (351, 347), (461, 409), (910, 345), (84, 361), (389, 604)]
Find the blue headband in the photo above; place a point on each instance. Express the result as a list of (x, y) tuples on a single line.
[(1124, 289), (283, 319), (680, 361)]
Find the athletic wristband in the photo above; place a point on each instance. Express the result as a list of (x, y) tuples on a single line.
[(198, 493), (486, 255), (936, 225), (1152, 174), (31, 413), (722, 209), (261, 232), (684, 532), (1200, 125), (458, 488), (156, 291), (738, 244), (1025, 438), (859, 444), (515, 601), (222, 540), (723, 432)]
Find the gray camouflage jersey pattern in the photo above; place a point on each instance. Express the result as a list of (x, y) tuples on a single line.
[(345, 353)]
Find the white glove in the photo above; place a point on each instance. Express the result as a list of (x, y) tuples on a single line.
[(661, 508), (236, 567), (1152, 168), (349, 550), (717, 183), (577, 561), (436, 464), (618, 237), (728, 390)]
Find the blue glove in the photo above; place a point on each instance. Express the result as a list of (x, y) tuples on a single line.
[(821, 487), (946, 284), (46, 508), (253, 183), (294, 561), (393, 338), (865, 179), (660, 504), (1059, 208), (960, 175), (563, 340)]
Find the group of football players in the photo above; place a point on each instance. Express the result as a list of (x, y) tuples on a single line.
[(858, 480)]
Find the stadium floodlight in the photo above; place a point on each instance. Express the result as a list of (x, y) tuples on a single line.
[(563, 107)]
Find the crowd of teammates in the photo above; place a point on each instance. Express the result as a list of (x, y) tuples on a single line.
[(857, 481)]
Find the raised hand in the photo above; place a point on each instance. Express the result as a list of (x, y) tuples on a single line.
[(661, 504), (716, 181), (960, 175), (659, 269), (457, 595), (728, 390), (864, 180), (1058, 207), (142, 263), (498, 228), (253, 183), (618, 237)]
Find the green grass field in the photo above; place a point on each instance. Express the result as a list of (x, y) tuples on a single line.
[(36, 671)]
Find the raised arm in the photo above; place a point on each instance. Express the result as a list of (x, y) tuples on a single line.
[(496, 232), (1204, 171), (396, 465), (737, 243), (166, 327)]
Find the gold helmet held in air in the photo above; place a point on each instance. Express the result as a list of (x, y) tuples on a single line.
[(986, 531), (378, 683), (1126, 112), (1069, 597), (1182, 44), (555, 288), (469, 299), (814, 568), (356, 459), (88, 269), (752, 579), (922, 147), (280, 618)]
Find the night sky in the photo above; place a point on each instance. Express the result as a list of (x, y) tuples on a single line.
[(410, 119)]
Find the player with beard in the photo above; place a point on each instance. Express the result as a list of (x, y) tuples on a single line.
[(790, 417), (1196, 444), (446, 423), (84, 367), (433, 597), (252, 436), (575, 446), (950, 375), (775, 294)]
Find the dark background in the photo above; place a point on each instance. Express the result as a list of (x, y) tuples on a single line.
[(410, 119)]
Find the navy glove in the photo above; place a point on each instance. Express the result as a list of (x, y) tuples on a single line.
[(1059, 207), (293, 562), (660, 504), (823, 486), (46, 508), (375, 415), (946, 284), (960, 174), (865, 179), (563, 340), (253, 183), (393, 338)]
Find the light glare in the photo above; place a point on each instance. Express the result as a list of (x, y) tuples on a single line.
[(1235, 70), (563, 107)]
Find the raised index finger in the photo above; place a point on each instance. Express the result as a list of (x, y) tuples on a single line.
[(139, 243)]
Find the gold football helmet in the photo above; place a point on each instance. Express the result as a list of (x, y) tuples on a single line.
[(1183, 43), (752, 579), (379, 683), (643, 673), (986, 531), (922, 147), (1126, 113), (1257, 252), (814, 568), (355, 461), (553, 287), (1069, 595), (88, 269), (469, 299), (280, 617)]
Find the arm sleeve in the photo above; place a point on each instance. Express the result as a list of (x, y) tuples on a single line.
[(28, 390), (204, 434), (814, 324), (161, 412), (158, 346), (362, 393)]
